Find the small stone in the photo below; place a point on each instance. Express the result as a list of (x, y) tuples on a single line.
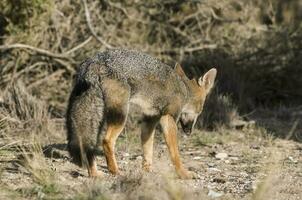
[(221, 156), (243, 174), (192, 169), (234, 158), (212, 194), (126, 154), (248, 186), (292, 159), (211, 164), (227, 161), (139, 158), (254, 146), (212, 169), (197, 158), (123, 162)]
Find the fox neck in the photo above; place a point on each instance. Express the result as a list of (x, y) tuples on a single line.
[(189, 89)]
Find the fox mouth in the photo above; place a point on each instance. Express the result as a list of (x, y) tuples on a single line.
[(187, 131), (187, 128)]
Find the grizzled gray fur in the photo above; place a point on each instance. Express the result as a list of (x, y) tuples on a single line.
[(104, 87)]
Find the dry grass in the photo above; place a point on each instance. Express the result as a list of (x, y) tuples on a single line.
[(272, 169), (229, 35), (50, 177), (22, 113), (26, 126), (254, 45)]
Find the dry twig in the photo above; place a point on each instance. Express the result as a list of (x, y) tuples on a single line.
[(79, 46), (38, 50), (185, 49), (88, 19), (47, 78)]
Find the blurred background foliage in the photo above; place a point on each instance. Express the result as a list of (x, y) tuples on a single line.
[(255, 44)]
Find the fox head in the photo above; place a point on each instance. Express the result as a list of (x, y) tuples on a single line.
[(198, 90)]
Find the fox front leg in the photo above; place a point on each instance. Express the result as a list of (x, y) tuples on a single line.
[(170, 131), (147, 137)]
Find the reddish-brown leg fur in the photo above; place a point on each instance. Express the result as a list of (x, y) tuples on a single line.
[(147, 136), (170, 131), (112, 133)]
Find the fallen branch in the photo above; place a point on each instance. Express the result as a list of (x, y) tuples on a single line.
[(67, 65), (6, 146), (119, 7), (124, 11), (57, 57), (38, 50), (28, 68), (46, 79), (198, 48), (46, 52), (185, 49), (87, 14), (79, 46)]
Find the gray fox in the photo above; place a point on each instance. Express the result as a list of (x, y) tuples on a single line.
[(104, 87)]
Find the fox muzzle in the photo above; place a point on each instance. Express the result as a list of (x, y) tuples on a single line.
[(187, 122)]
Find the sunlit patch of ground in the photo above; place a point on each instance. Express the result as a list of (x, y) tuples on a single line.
[(228, 164)]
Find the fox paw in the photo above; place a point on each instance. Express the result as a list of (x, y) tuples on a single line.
[(184, 174), (96, 174), (147, 167), (115, 172)]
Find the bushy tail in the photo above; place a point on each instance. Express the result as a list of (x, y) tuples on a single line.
[(80, 154), (81, 133), (77, 153)]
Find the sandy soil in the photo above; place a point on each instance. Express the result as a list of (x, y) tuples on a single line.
[(237, 166)]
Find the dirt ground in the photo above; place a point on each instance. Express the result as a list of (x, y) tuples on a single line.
[(256, 47), (227, 164)]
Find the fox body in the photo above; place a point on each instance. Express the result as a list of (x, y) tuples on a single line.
[(104, 87)]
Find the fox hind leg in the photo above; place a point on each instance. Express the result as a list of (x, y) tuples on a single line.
[(112, 133), (117, 104), (92, 166)]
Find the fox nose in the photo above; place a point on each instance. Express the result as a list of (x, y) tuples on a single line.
[(186, 129)]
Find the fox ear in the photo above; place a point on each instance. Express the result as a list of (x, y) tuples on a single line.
[(207, 80), (179, 70)]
